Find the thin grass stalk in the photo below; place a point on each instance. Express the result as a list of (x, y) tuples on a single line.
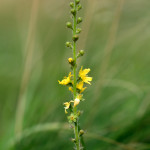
[(27, 69)]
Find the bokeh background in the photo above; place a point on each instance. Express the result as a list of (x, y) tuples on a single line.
[(116, 39)]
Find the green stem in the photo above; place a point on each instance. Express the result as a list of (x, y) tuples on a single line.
[(74, 54), (77, 135), (76, 131), (82, 140)]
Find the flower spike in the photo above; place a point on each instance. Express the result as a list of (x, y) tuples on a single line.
[(75, 84)]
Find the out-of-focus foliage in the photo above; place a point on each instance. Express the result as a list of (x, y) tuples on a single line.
[(33, 57)]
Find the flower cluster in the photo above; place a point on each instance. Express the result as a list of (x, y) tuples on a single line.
[(68, 81)]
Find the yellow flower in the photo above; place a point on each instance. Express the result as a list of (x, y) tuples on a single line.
[(67, 106), (80, 86), (77, 100), (83, 75), (66, 80), (70, 60)]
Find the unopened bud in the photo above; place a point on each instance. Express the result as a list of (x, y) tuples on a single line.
[(81, 132), (73, 140), (78, 30), (76, 102), (81, 52), (79, 7), (69, 25), (68, 44), (71, 4), (77, 1), (75, 38), (79, 20), (73, 11)]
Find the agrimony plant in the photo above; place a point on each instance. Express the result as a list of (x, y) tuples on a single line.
[(75, 83)]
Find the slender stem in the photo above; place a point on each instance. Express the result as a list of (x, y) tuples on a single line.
[(74, 52), (76, 131), (77, 135), (82, 140)]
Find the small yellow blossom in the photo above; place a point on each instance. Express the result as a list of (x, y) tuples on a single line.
[(83, 75), (67, 106), (80, 86), (66, 80), (70, 60)]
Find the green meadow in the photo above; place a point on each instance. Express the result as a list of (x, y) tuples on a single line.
[(33, 57)]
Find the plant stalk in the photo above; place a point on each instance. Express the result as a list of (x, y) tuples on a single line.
[(76, 131)]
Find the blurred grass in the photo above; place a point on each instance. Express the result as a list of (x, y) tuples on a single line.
[(120, 119)]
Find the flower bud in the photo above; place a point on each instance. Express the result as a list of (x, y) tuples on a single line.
[(68, 44), (73, 11), (81, 132), (81, 52), (78, 30), (79, 20), (73, 140), (69, 25), (77, 1), (79, 7), (71, 61), (71, 4), (76, 102), (75, 38)]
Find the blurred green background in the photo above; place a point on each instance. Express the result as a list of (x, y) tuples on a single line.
[(116, 39)]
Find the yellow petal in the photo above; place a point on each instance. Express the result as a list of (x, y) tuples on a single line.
[(70, 89), (66, 80), (67, 105), (70, 75), (82, 90), (66, 111), (86, 71), (87, 79), (80, 85), (83, 72)]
